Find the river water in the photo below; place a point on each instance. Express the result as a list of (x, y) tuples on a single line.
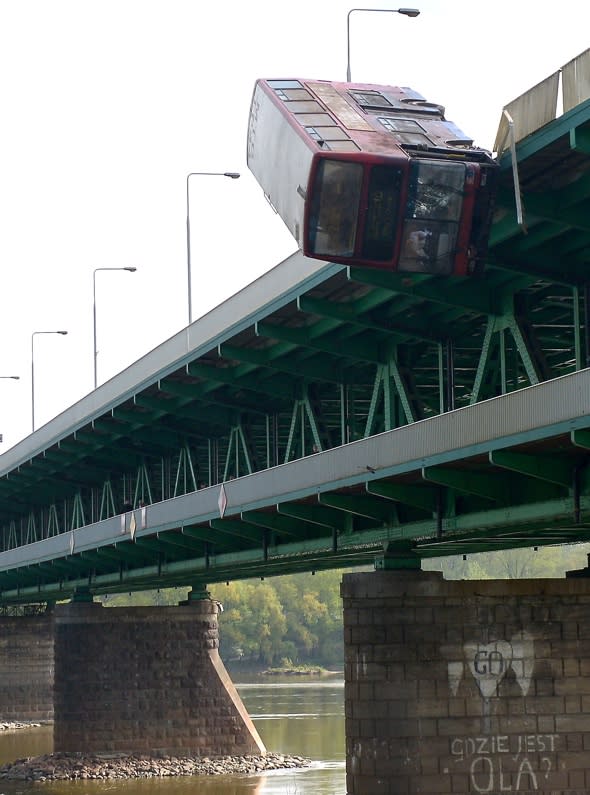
[(292, 717)]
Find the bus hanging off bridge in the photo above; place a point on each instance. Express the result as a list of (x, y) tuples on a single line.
[(375, 176)]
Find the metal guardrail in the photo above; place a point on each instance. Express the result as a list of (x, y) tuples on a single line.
[(538, 106)]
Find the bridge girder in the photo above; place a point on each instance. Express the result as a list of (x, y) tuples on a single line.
[(340, 356)]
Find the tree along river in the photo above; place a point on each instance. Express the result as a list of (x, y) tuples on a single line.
[(292, 717)]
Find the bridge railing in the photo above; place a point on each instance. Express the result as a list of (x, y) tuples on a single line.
[(539, 105)]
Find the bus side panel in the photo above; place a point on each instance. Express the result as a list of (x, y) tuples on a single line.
[(280, 160)]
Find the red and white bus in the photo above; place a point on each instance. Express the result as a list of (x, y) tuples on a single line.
[(370, 175)]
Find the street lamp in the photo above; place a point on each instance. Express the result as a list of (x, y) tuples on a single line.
[(407, 12), (231, 175), (130, 269), (33, 335)]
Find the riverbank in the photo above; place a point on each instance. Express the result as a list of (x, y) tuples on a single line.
[(68, 767), (14, 725), (300, 670), (238, 670)]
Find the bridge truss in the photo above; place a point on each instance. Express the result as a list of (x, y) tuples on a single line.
[(301, 368)]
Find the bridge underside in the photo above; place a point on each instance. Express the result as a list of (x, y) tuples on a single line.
[(352, 365)]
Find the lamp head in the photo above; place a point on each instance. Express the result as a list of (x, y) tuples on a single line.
[(61, 332), (409, 12), (231, 174), (130, 268)]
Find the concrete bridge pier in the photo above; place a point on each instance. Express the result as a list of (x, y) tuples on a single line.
[(146, 680), (26, 668), (466, 687)]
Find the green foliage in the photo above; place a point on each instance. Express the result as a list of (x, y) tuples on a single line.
[(552, 561), (164, 596), (298, 617), (252, 621)]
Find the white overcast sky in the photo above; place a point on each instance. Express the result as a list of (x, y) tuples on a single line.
[(107, 105)]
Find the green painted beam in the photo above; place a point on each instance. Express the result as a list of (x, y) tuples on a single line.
[(68, 566), (344, 312), (213, 415), (317, 515), (153, 545), (139, 417), (411, 407), (182, 548), (361, 505), (291, 364), (282, 525), (207, 536), (235, 527), (549, 468), (489, 485), (202, 396), (463, 294), (581, 438), (423, 497), (130, 552), (174, 538), (354, 349), (230, 377)]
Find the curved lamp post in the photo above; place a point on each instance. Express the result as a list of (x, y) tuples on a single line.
[(130, 269), (407, 12), (33, 335), (231, 175)]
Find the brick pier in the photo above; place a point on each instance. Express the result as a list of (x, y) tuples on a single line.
[(147, 680), (26, 668), (466, 687)]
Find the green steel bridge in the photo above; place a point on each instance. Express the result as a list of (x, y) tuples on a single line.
[(329, 417)]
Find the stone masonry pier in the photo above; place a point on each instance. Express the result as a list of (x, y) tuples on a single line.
[(466, 687), (146, 680), (26, 668)]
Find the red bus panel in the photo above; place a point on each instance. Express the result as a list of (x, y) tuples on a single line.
[(371, 175)]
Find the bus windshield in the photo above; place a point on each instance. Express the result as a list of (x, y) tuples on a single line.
[(334, 210), (433, 212)]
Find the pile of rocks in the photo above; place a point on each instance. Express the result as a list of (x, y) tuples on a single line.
[(62, 767)]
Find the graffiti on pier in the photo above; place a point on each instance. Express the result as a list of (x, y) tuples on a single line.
[(488, 664), (500, 763), (506, 763)]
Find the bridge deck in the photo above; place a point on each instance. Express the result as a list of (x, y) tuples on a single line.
[(413, 388), (481, 451)]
